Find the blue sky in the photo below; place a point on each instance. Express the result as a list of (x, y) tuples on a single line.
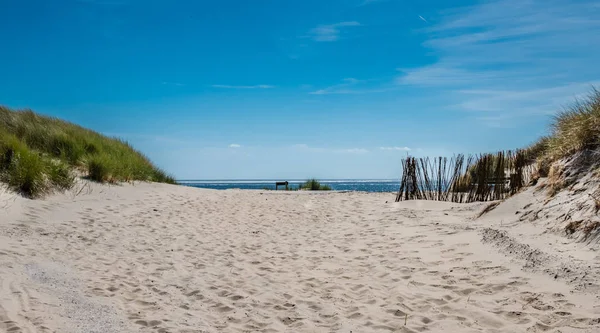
[(296, 89)]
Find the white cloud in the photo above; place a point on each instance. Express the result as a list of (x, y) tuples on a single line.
[(526, 58), (306, 147), (395, 148), (351, 86), (258, 86), (330, 32), (353, 151), (342, 88), (351, 80), (234, 145), (441, 74), (541, 101)]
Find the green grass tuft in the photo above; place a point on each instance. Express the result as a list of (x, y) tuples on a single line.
[(314, 185), (22, 169), (60, 175), (40, 153), (99, 169)]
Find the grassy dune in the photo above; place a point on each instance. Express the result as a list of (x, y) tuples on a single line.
[(39, 154), (574, 129)]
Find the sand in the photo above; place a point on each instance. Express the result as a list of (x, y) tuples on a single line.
[(162, 258)]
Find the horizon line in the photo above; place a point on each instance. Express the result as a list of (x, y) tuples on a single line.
[(282, 179)]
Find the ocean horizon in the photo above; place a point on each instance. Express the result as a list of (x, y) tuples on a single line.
[(361, 185)]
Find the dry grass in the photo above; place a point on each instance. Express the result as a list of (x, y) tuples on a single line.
[(586, 227), (589, 228), (556, 180), (596, 200), (575, 128), (572, 227), (488, 209)]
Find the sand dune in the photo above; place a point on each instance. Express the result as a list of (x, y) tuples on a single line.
[(160, 258)]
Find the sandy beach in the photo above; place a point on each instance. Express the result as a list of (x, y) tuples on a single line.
[(355, 166), (164, 258)]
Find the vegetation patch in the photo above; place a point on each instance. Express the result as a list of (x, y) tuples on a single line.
[(574, 129), (556, 179), (488, 208), (590, 228), (572, 227), (314, 185), (39, 154)]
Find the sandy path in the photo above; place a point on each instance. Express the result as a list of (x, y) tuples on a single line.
[(158, 258)]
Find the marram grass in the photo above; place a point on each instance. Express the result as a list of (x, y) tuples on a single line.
[(39, 154), (574, 129), (314, 185)]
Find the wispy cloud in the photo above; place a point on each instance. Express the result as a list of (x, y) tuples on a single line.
[(525, 57), (305, 147), (526, 102), (300, 146), (342, 88), (227, 86), (441, 74), (235, 145), (331, 32), (395, 148), (351, 86), (353, 151)]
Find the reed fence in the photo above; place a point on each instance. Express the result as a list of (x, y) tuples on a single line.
[(463, 179)]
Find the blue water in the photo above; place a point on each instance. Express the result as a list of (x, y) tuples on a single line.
[(364, 185)]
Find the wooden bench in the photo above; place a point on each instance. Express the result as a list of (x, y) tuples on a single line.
[(277, 184), (503, 180)]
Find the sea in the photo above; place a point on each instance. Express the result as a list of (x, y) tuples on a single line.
[(362, 185)]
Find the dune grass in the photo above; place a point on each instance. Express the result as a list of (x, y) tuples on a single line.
[(39, 154), (575, 128), (314, 185)]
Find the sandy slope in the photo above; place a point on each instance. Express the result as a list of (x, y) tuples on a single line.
[(160, 258)]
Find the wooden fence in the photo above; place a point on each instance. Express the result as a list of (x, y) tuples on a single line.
[(484, 177)]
